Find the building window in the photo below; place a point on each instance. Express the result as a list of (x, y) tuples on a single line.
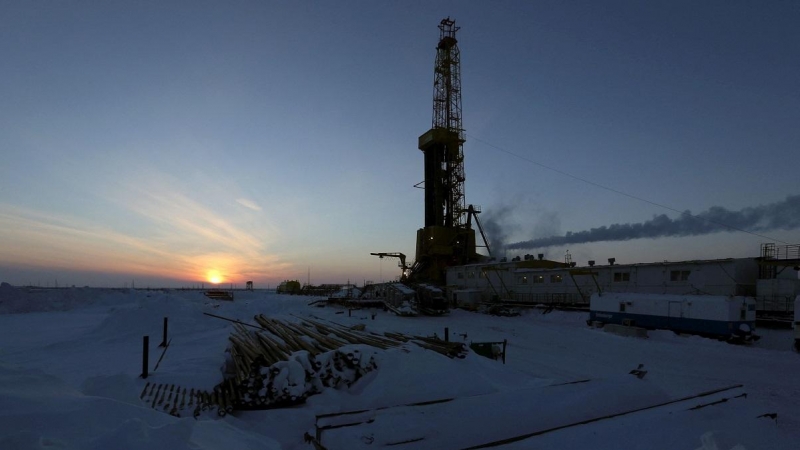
[(679, 275), (620, 277), (460, 275), (523, 280), (482, 274), (622, 307), (555, 278), (538, 279), (471, 275)]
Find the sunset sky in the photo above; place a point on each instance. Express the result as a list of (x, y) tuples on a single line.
[(166, 143)]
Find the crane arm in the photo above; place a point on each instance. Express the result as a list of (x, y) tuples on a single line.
[(399, 255)]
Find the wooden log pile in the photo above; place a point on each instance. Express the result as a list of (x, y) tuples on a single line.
[(283, 363), (449, 349)]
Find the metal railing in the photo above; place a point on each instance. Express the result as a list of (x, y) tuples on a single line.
[(779, 252), (779, 304)]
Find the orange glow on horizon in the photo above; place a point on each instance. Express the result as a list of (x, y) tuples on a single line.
[(196, 245), (214, 277)]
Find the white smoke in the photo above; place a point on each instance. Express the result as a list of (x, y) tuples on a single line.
[(783, 215)]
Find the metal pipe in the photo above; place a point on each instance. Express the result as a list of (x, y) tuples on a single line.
[(145, 355)]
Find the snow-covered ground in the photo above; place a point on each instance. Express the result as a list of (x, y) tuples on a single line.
[(70, 361)]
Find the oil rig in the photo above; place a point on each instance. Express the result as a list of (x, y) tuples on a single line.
[(446, 244), (447, 239)]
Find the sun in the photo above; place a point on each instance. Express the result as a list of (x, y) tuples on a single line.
[(214, 277)]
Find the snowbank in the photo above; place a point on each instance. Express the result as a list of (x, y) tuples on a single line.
[(70, 361), (41, 411)]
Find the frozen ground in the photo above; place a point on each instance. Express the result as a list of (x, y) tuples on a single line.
[(70, 361)]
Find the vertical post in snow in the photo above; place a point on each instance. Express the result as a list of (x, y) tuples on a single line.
[(349, 312), (145, 349), (505, 341), (446, 334), (164, 342)]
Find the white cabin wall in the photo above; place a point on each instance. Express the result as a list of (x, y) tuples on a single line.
[(714, 277), (525, 287), (706, 307)]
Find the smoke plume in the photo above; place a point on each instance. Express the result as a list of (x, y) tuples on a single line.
[(496, 233), (784, 215), (499, 223)]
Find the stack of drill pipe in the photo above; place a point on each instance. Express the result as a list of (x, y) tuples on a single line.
[(342, 369), (447, 348), (396, 336), (342, 333), (290, 336), (301, 336), (259, 347), (450, 349), (285, 363), (276, 350), (354, 337), (324, 342)]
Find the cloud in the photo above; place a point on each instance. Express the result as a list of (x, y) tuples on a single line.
[(165, 233), (248, 204)]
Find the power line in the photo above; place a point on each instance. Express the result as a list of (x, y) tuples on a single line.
[(616, 191)]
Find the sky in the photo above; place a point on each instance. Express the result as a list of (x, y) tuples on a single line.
[(172, 143)]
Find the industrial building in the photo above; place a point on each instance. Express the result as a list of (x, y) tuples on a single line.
[(531, 280)]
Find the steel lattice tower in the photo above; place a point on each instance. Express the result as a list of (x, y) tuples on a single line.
[(443, 144), (447, 238)]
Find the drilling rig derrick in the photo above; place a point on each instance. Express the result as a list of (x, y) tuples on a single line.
[(447, 238)]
